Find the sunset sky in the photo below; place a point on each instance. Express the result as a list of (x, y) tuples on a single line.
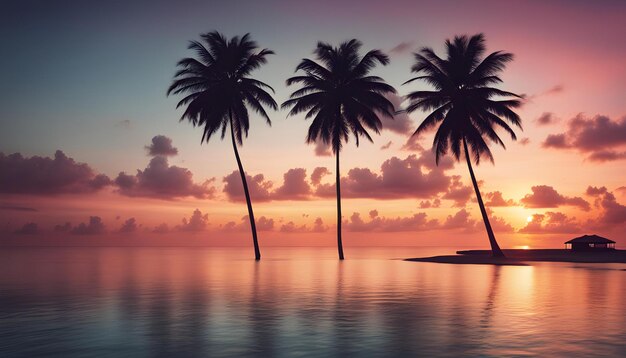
[(93, 150)]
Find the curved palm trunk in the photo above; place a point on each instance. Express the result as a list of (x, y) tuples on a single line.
[(338, 185), (495, 248), (257, 252)]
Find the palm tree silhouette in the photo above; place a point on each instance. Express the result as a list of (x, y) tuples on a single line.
[(463, 105), (218, 92), (342, 98)]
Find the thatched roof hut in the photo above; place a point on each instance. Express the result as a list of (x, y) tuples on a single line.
[(590, 242)]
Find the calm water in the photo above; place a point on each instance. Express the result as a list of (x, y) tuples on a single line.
[(143, 302)]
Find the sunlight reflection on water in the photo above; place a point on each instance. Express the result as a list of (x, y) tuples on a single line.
[(301, 302)]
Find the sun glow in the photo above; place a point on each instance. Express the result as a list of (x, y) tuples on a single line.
[(529, 219)]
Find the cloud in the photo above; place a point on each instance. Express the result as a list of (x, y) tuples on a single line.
[(402, 48), (558, 141), (398, 178), (551, 223), (458, 192), (498, 224), (262, 224), (322, 149), (162, 228), (63, 228), (600, 138), (11, 207), (28, 229), (196, 222), (125, 123), (412, 177), (606, 156), (460, 220), (554, 90), (95, 226), (318, 174), (495, 199), (258, 187), (48, 176), (401, 123), (161, 181), (595, 191), (295, 186), (524, 141), (291, 227), (614, 213), (318, 225), (129, 226), (386, 145), (376, 223), (412, 144), (161, 145), (425, 204), (544, 196), (546, 118)]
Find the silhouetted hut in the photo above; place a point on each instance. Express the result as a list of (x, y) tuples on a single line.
[(590, 243)]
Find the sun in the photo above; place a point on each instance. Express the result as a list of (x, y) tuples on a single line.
[(529, 219)]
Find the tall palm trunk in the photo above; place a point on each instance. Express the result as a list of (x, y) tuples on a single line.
[(338, 185), (495, 248), (257, 252)]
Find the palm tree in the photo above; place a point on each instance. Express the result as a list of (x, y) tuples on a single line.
[(218, 91), (342, 98), (463, 104)]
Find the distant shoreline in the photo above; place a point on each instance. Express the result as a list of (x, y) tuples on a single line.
[(519, 257)]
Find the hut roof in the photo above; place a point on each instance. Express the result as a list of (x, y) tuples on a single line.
[(591, 239)]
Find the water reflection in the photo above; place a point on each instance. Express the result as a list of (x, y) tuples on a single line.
[(210, 302)]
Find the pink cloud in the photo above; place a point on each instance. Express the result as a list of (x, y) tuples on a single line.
[(386, 145), (401, 123), (318, 174), (458, 192), (161, 145), (546, 118), (295, 186), (196, 222), (495, 199), (558, 141), (412, 144), (162, 228), (614, 213), (416, 222), (262, 224), (322, 149), (402, 48), (551, 223), (425, 204), (600, 137), (47, 176), (95, 226), (544, 196), (259, 188), (398, 178), (129, 226), (460, 220), (161, 181), (28, 229)]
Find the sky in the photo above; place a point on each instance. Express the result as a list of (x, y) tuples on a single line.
[(93, 150)]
